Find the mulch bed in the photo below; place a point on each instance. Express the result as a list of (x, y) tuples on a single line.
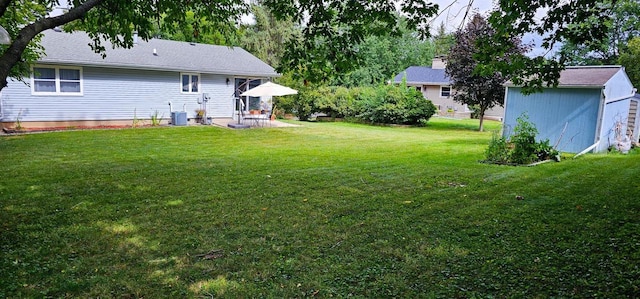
[(73, 128)]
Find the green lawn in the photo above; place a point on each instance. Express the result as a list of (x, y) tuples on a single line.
[(326, 209)]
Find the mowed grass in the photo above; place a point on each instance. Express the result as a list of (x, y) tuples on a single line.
[(321, 210)]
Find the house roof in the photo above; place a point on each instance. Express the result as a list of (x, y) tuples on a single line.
[(585, 76), (155, 54), (596, 76), (423, 75)]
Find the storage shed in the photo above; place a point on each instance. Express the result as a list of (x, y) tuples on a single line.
[(592, 108)]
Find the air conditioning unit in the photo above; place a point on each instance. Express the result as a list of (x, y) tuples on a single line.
[(179, 118)]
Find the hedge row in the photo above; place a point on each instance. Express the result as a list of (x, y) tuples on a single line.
[(385, 104)]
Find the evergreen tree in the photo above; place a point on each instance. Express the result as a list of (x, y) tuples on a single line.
[(443, 41), (266, 38)]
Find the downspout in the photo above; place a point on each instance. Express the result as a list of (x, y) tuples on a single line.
[(588, 149), (598, 130), (506, 92), (601, 110)]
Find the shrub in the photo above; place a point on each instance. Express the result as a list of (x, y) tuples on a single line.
[(345, 102), (524, 141), (420, 110), (475, 111), (545, 151), (303, 103), (324, 101), (385, 104), (390, 104), (522, 148), (498, 150)]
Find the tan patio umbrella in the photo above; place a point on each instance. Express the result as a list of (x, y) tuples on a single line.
[(269, 89)]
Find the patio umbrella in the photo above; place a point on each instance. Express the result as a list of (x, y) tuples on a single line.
[(269, 89)]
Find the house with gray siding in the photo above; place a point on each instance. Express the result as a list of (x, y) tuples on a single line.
[(435, 86), (73, 86), (591, 109)]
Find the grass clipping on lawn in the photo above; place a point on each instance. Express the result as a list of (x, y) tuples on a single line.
[(325, 209)]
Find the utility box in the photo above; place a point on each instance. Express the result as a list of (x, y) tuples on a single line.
[(179, 118)]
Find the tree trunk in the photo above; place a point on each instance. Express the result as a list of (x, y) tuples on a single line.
[(13, 54), (481, 116)]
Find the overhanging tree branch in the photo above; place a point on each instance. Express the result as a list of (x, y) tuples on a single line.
[(13, 54), (3, 6)]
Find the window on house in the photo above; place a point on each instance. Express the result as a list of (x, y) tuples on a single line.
[(445, 91), (418, 88), (242, 85), (57, 80), (190, 83)]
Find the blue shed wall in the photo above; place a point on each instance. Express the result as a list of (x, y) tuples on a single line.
[(116, 94), (551, 109)]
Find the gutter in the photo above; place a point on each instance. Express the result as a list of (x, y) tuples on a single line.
[(622, 97), (586, 86), (164, 69)]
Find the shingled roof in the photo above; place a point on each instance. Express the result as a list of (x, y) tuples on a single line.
[(423, 75), (155, 54), (585, 76), (596, 76)]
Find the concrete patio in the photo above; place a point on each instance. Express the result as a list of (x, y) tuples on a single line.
[(224, 122)]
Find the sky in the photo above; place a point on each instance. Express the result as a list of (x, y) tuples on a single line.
[(452, 12), (452, 15)]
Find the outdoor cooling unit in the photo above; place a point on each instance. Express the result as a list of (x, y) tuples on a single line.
[(179, 118)]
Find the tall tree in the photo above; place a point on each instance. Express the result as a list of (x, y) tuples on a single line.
[(467, 59), (443, 41), (630, 59), (332, 27), (382, 57), (266, 38), (197, 30), (624, 25), (575, 21)]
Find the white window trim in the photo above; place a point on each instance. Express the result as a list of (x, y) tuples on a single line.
[(199, 84), (57, 70), (450, 90)]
